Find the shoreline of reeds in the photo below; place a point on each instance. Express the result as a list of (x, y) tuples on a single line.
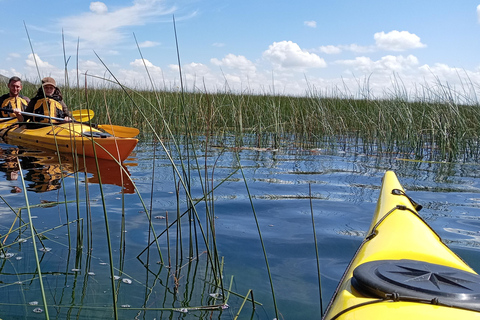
[(432, 127)]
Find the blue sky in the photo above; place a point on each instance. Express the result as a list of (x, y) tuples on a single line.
[(282, 47)]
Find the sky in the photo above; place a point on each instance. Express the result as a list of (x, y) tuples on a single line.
[(324, 47)]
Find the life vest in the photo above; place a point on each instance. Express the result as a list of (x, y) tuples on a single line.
[(12, 103), (48, 107)]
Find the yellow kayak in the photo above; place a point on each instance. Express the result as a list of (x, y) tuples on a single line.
[(402, 269), (72, 139)]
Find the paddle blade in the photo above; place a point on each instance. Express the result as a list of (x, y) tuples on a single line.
[(83, 115), (119, 131)]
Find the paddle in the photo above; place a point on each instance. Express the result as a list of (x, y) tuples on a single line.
[(118, 131), (83, 115)]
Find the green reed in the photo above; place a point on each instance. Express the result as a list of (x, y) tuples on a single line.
[(432, 125)]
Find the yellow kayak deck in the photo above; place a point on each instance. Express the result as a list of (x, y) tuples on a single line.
[(403, 269)]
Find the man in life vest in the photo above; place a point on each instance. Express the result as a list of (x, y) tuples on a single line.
[(48, 102), (13, 100)]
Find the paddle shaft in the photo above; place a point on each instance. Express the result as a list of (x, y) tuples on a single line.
[(33, 114)]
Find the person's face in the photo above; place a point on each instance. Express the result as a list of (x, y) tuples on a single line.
[(49, 89), (14, 88)]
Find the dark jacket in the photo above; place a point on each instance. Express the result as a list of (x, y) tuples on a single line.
[(52, 106), (8, 102)]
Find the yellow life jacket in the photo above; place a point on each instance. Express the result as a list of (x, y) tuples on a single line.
[(12, 103), (48, 107)]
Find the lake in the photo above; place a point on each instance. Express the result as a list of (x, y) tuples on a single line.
[(90, 231)]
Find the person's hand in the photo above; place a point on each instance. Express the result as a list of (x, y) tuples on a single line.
[(67, 119), (18, 114)]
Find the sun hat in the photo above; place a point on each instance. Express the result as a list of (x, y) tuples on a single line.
[(50, 81)]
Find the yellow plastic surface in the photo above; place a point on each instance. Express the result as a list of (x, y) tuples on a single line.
[(68, 138), (401, 235)]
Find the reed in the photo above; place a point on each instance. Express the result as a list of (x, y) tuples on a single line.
[(439, 125)]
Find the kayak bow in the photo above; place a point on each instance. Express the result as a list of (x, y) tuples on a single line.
[(403, 270)]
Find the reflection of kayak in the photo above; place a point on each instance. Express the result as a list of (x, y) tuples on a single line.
[(402, 270), (44, 171), (71, 138)]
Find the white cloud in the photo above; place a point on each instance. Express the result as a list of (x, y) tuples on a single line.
[(139, 63), (397, 40), (358, 49), (98, 7), (289, 55), (235, 62), (386, 64), (330, 49), (196, 68), (104, 31), (311, 24), (148, 44), (34, 61), (218, 44), (478, 12)]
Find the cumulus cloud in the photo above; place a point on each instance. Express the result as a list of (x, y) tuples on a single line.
[(34, 61), (289, 55), (141, 63), (107, 30), (235, 62), (311, 24), (196, 68), (386, 64), (397, 40), (98, 7)]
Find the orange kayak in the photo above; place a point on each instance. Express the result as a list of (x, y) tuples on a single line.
[(70, 138)]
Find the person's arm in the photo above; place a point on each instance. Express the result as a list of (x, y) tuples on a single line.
[(29, 108), (66, 114), (26, 99)]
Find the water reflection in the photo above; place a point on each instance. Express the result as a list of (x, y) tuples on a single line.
[(339, 188), (44, 170)]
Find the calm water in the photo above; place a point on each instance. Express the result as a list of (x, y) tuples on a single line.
[(343, 185)]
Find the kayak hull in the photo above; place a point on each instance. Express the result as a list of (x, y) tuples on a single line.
[(73, 139), (398, 235)]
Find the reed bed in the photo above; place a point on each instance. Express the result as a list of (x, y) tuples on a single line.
[(432, 126)]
